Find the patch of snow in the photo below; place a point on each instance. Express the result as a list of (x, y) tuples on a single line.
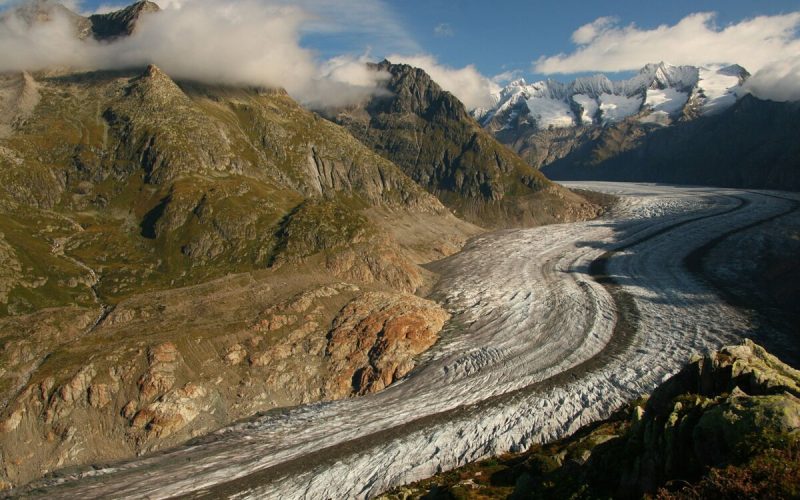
[(720, 88), (668, 100), (615, 108), (550, 112)]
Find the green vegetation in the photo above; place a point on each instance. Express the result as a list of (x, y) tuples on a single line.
[(159, 185)]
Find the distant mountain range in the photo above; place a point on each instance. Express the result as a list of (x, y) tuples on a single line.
[(677, 124), (660, 93)]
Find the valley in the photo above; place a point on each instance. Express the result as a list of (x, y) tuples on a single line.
[(552, 328), (268, 249)]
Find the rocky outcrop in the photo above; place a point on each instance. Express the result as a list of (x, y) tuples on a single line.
[(19, 95), (375, 338), (127, 388), (723, 427)]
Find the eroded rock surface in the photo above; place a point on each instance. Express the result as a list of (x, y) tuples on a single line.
[(255, 345), (375, 338)]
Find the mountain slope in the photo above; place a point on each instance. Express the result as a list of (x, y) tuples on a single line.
[(429, 134), (753, 144), (177, 255)]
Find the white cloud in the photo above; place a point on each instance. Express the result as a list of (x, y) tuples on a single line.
[(443, 30), (765, 43), (777, 81), (344, 80), (507, 76), (606, 46), (588, 32), (467, 83), (221, 41)]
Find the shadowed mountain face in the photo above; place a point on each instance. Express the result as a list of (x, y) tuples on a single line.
[(428, 133), (121, 22), (753, 144)]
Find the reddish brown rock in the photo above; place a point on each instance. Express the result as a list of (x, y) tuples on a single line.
[(99, 395), (235, 355), (160, 376), (375, 338)]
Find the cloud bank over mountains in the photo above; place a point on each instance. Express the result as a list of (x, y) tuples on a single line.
[(259, 42), (764, 45), (242, 42)]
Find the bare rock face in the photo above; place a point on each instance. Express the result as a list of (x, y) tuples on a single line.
[(171, 412), (375, 339), (253, 346), (160, 376)]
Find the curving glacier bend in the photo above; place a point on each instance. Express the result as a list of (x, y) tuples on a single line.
[(553, 327)]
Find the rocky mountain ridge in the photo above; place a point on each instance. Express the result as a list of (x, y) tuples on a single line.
[(429, 134)]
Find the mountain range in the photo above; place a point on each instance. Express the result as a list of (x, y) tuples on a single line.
[(660, 93), (676, 124)]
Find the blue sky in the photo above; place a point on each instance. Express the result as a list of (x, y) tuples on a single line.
[(463, 44), (498, 36)]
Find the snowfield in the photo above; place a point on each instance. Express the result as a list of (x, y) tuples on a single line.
[(554, 327)]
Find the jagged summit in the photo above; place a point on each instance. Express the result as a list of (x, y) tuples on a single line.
[(121, 22), (412, 90), (154, 72), (104, 27), (660, 93)]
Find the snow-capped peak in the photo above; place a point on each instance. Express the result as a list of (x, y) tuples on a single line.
[(659, 93)]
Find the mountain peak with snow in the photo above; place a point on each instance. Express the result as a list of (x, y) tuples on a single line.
[(659, 93)]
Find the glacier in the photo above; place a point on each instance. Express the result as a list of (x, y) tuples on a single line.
[(553, 327)]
